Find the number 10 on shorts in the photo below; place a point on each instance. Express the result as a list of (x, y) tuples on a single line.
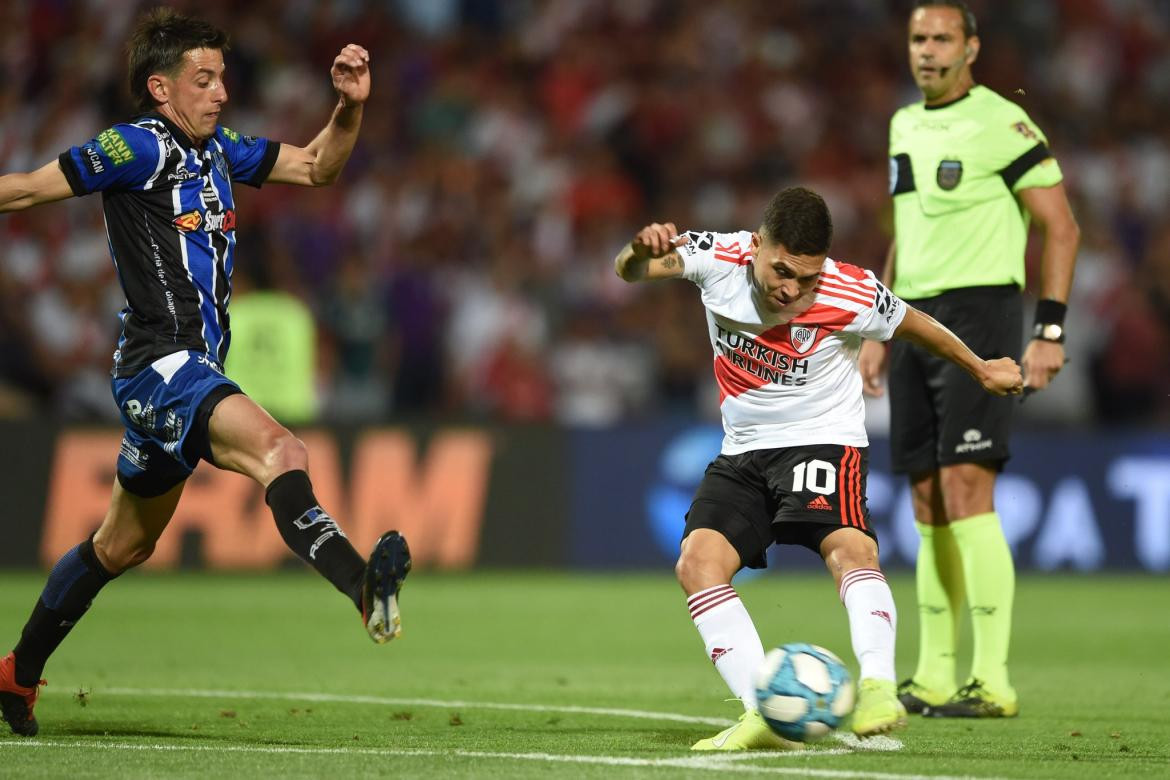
[(816, 476)]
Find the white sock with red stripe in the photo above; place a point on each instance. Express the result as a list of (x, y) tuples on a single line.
[(873, 621), (730, 638)]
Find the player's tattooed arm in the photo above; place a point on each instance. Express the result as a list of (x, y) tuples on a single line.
[(653, 254)]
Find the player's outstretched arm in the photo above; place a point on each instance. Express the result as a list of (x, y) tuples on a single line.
[(320, 162), (46, 184), (653, 254), (1000, 376)]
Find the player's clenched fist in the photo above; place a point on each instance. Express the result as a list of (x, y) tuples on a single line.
[(351, 74), (1002, 376), (655, 240)]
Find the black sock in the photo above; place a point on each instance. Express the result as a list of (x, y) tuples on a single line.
[(71, 588), (313, 535)]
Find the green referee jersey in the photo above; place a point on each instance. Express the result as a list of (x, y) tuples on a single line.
[(273, 355), (954, 172)]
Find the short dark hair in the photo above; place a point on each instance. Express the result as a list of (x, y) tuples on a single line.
[(160, 39), (969, 27), (798, 219)]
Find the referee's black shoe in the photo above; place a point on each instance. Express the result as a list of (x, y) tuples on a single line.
[(916, 698), (974, 700), (386, 569)]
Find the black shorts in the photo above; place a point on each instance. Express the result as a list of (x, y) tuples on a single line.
[(793, 495), (939, 415)]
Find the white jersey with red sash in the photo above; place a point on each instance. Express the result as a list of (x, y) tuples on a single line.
[(787, 379)]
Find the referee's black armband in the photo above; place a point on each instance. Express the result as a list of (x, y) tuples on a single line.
[(901, 174), (1015, 170), (1049, 320)]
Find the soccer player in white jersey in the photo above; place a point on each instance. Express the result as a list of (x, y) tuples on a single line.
[(786, 323)]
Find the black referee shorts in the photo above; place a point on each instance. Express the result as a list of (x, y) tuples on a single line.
[(939, 415), (792, 495)]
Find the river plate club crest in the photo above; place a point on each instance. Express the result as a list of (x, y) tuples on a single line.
[(802, 337)]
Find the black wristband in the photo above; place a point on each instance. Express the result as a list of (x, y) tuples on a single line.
[(1049, 320), (1050, 312)]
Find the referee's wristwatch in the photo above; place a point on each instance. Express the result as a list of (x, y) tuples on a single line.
[(1049, 321), (1049, 331)]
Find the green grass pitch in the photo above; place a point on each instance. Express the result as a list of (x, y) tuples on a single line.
[(530, 675)]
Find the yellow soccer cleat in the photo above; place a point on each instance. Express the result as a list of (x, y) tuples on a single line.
[(878, 710), (750, 732)]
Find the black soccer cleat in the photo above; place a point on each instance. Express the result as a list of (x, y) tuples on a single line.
[(973, 700), (16, 701), (916, 698), (386, 569)]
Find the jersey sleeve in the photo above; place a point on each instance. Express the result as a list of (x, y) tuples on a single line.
[(250, 159), (1024, 157), (1045, 173), (122, 156), (882, 316), (709, 256)]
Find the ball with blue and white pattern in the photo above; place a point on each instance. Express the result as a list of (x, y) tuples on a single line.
[(804, 691)]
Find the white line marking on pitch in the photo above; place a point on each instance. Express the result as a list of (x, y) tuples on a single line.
[(400, 702), (713, 763), (878, 744)]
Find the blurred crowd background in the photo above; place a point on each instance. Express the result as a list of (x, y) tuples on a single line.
[(462, 267)]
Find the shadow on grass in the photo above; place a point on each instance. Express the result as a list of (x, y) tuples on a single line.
[(97, 730)]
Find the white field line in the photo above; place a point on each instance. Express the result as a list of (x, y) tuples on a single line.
[(404, 702), (880, 743), (726, 762), (713, 763)]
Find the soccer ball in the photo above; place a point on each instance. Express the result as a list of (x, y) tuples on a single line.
[(804, 691)]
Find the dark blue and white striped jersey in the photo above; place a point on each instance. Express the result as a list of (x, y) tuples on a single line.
[(171, 225)]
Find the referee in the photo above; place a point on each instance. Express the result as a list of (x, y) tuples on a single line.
[(968, 172)]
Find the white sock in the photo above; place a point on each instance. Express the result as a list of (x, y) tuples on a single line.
[(730, 638), (873, 621)]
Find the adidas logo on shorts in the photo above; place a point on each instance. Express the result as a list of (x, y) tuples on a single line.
[(819, 503)]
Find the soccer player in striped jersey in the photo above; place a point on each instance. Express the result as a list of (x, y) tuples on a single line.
[(165, 180), (786, 323)]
